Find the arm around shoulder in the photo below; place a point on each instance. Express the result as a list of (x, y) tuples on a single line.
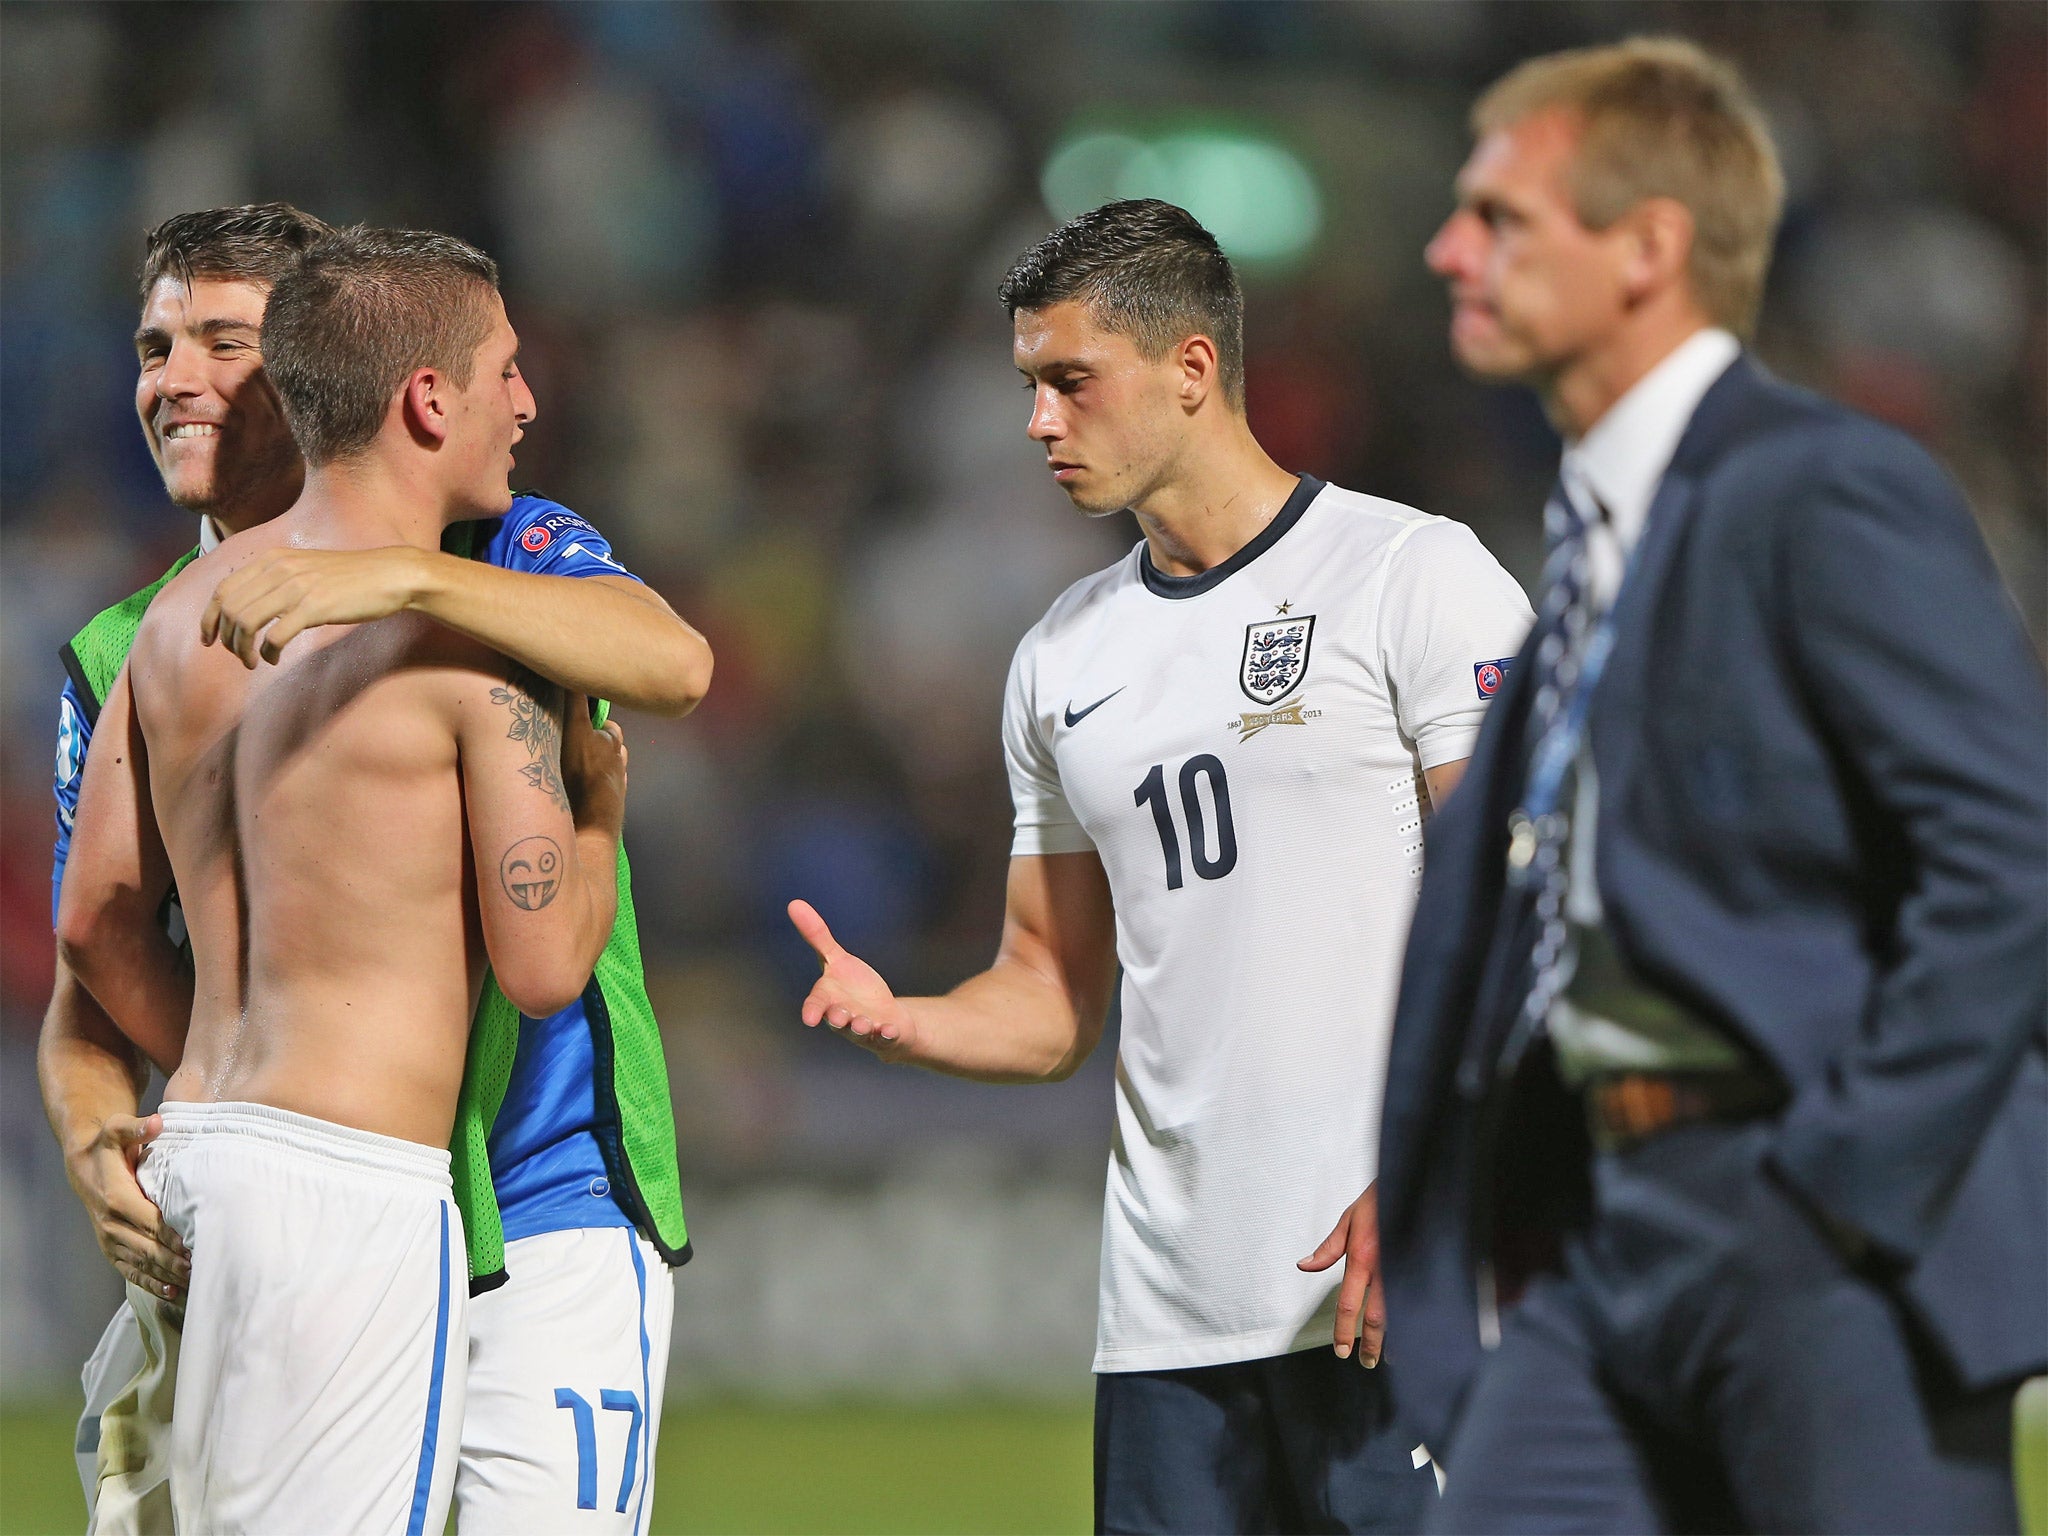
[(609, 636), (605, 635)]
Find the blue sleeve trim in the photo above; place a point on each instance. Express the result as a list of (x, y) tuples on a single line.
[(74, 735), (547, 539)]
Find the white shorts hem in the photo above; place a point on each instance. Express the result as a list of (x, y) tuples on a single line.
[(1226, 1349)]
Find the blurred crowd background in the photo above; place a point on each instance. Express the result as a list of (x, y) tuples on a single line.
[(752, 251)]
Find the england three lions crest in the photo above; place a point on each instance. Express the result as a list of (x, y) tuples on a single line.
[(1275, 657)]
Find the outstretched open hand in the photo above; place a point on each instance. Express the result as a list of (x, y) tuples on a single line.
[(851, 996)]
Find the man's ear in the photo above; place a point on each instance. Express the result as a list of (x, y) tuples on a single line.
[(424, 405), (1661, 233), (1200, 370)]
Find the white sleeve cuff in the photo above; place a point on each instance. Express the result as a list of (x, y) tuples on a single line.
[(1449, 738), (1052, 837)]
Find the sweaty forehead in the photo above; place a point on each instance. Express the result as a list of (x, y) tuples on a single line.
[(209, 301), (1061, 333)]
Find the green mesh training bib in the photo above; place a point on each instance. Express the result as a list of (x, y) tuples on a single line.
[(635, 1123), (94, 656)]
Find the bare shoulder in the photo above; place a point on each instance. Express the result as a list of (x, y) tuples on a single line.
[(170, 626), (182, 689), (186, 594), (502, 713), (476, 682)]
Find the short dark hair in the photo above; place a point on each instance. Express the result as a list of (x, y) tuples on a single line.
[(252, 243), (357, 314), (1145, 269)]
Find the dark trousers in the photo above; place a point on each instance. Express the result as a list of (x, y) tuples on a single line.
[(1706, 1361), (1298, 1442)]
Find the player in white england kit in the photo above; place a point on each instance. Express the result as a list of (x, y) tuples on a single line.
[(1221, 750)]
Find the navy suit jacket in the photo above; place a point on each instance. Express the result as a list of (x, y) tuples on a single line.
[(1822, 745)]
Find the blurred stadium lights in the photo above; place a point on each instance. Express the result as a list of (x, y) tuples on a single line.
[(1256, 196)]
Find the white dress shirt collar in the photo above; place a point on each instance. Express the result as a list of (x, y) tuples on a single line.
[(1624, 455), (210, 535), (1615, 467)]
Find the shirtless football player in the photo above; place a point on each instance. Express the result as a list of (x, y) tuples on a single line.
[(353, 832)]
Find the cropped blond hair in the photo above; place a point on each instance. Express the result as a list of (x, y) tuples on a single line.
[(1662, 117)]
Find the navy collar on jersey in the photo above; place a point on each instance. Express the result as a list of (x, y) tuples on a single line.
[(1163, 585)]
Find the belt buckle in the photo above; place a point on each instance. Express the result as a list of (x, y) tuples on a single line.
[(1647, 1104), (1631, 1108)]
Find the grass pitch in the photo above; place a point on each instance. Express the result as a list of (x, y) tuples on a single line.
[(968, 1467)]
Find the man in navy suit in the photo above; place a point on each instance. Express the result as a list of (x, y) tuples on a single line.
[(1714, 1163)]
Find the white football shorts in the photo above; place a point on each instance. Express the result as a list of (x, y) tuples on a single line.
[(124, 1435), (114, 1362), (319, 1381), (567, 1361)]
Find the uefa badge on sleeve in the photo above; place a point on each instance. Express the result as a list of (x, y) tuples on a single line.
[(535, 539), (1491, 676)]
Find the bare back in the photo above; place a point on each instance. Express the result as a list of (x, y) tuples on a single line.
[(314, 815)]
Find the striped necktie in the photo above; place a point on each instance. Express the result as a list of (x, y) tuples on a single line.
[(1568, 664)]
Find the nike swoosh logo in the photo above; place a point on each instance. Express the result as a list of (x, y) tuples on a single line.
[(1074, 718)]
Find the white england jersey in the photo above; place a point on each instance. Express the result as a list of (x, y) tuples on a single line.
[(1243, 748)]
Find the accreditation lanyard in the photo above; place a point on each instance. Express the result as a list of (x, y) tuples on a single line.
[(1537, 823)]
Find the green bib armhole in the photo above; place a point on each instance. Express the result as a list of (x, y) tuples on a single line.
[(636, 1124), (493, 1044), (637, 1077), (97, 653)]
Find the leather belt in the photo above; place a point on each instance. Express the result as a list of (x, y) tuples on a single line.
[(1624, 1109)]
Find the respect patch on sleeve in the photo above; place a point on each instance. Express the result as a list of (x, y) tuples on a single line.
[(1489, 676), (548, 539)]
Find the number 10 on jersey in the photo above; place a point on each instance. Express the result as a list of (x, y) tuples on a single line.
[(1210, 865)]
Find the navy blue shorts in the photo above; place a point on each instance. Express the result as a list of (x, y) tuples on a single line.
[(1300, 1442)]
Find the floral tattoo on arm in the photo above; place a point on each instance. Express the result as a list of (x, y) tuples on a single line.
[(537, 707)]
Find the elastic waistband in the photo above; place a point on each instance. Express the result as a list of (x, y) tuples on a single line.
[(302, 1133)]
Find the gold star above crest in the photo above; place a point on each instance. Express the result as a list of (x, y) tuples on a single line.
[(1285, 607)]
